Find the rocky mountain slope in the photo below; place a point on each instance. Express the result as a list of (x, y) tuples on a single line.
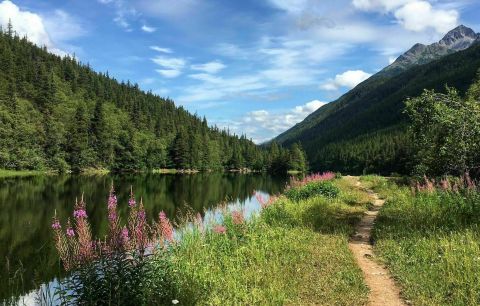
[(367, 123)]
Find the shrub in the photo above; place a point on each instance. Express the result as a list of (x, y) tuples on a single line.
[(130, 266), (326, 189)]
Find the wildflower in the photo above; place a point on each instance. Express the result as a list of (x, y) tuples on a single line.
[(469, 181), (70, 232), (131, 201), (164, 227), (445, 185), (141, 215), (124, 234), (237, 217), (56, 224), (112, 199), (260, 199), (175, 302), (219, 229), (199, 223), (81, 213)]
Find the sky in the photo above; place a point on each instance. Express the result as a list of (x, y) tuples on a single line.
[(256, 67)]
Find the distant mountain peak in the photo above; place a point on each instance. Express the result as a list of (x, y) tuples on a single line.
[(458, 39)]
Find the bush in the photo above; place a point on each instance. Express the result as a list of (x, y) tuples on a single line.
[(326, 189), (131, 266)]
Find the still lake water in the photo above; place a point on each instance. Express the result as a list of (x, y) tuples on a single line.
[(27, 254)]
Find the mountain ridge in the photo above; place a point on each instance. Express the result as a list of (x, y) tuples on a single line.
[(376, 105), (457, 39)]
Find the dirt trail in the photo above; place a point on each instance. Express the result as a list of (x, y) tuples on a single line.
[(383, 291)]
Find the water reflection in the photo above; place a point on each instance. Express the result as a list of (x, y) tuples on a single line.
[(27, 256)]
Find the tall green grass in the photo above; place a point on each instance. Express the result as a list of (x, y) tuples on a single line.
[(431, 243), (295, 252)]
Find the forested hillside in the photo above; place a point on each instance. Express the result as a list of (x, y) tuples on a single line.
[(57, 113), (364, 130)]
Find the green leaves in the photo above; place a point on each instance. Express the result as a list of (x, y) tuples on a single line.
[(445, 131)]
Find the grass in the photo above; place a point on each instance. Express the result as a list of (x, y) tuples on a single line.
[(295, 252), (95, 171), (431, 243), (19, 173)]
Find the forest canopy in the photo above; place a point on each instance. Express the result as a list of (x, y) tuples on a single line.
[(57, 113)]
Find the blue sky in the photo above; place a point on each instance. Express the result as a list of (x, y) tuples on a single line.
[(254, 66)]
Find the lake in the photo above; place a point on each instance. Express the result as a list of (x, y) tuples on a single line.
[(27, 254)]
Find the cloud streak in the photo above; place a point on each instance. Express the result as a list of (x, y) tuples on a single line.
[(413, 15), (348, 79), (42, 30)]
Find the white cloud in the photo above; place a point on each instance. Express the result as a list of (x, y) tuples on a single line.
[(171, 67), (420, 15), (215, 87), (124, 11), (348, 79), (293, 6), (161, 50), (169, 73), (379, 5), (230, 50), (413, 15), (169, 62), (42, 30), (210, 67), (271, 123), (148, 29), (25, 23)]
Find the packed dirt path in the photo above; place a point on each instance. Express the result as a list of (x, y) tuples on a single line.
[(383, 291)]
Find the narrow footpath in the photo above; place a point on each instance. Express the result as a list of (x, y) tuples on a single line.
[(383, 291)]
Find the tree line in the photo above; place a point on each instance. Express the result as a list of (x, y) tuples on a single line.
[(57, 113)]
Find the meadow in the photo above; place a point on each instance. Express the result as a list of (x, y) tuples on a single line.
[(294, 251), (428, 235)]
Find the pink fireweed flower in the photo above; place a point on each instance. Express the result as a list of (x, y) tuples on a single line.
[(81, 213), (141, 215), (112, 216), (70, 232), (219, 229), (165, 228), (469, 182), (260, 198), (237, 217), (131, 201), (56, 224), (124, 235), (264, 203), (316, 177), (445, 185), (112, 201)]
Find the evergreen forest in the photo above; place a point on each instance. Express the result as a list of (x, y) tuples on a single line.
[(56, 113)]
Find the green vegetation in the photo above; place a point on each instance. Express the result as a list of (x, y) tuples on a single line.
[(293, 252), (364, 131), (325, 189), (58, 114), (430, 240), (13, 173), (445, 131)]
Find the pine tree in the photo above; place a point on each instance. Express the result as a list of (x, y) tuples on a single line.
[(78, 140)]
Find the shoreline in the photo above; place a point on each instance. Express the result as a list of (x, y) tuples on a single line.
[(91, 171)]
